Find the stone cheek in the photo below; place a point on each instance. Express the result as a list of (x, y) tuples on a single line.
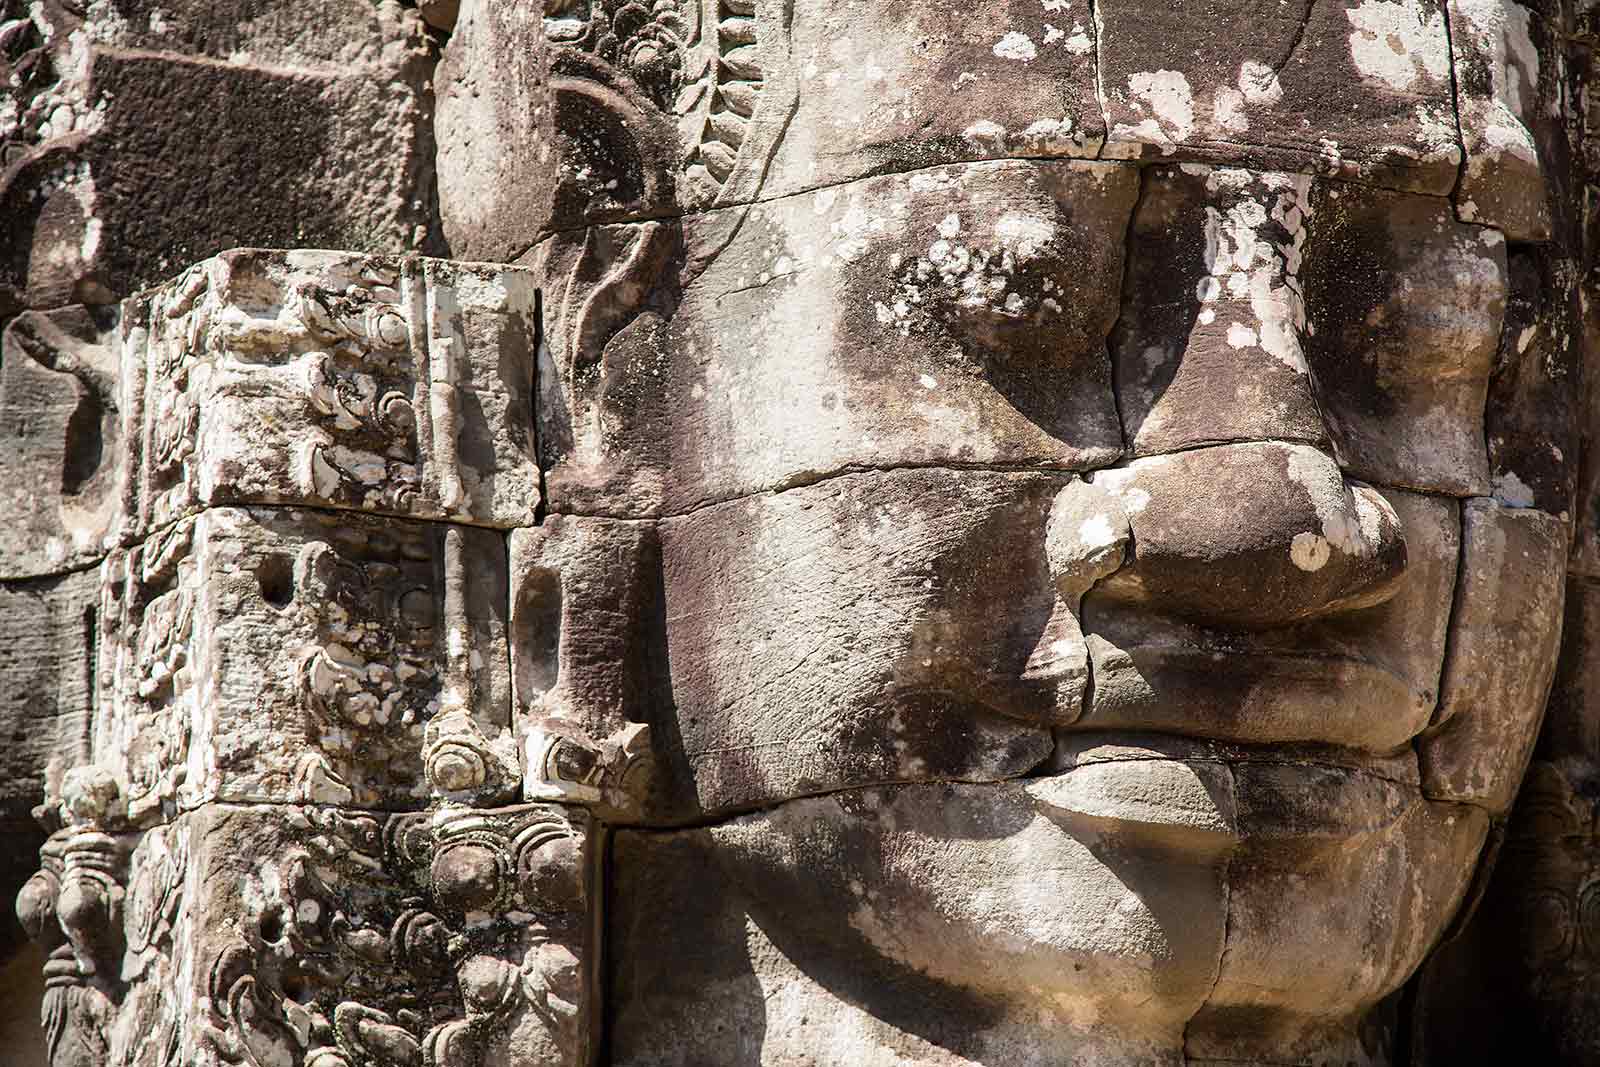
[(951, 316), (946, 586), (1407, 306)]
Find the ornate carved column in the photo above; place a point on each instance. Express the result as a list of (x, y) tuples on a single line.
[(302, 838)]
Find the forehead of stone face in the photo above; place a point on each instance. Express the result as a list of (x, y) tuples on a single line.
[(603, 111)]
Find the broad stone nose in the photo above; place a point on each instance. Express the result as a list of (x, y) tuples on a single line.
[(1252, 535)]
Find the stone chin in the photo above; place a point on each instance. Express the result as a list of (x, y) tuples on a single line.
[(1134, 907)]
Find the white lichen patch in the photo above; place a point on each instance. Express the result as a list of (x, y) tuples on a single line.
[(1259, 83), (1015, 45), (1241, 336), (1309, 551), (1398, 42), (1253, 251), (1097, 532), (1228, 111), (1352, 518), (1171, 101), (965, 267), (856, 229)]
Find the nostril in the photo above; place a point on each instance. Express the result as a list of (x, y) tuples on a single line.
[(1253, 535)]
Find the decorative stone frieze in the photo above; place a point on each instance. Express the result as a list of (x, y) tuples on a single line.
[(393, 385)]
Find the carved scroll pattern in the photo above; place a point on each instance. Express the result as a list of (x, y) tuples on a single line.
[(148, 607), (372, 675), (723, 99), (454, 940), (344, 353), (697, 60)]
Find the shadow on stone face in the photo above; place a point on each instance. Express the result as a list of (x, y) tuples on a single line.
[(22, 978), (663, 901)]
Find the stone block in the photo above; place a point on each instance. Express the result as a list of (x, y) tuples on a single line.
[(318, 139), (323, 937), (1518, 978), (948, 665), (60, 413), (1505, 632), (1571, 731), (323, 378), (1244, 82), (593, 714), (1155, 909), (48, 634), (350, 36), (1268, 305), (1407, 306), (298, 655), (943, 317), (47, 674), (1508, 85), (987, 82)]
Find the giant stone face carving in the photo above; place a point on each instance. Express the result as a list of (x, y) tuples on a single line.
[(1016, 533), (1088, 592)]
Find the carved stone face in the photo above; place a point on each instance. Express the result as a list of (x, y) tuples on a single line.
[(1101, 578)]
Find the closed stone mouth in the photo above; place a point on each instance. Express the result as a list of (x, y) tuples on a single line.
[(1221, 792)]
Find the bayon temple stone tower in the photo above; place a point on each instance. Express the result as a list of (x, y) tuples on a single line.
[(794, 533)]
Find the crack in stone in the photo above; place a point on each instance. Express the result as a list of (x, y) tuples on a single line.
[(1037, 772), (1299, 36), (1122, 291), (19, 582), (813, 478), (1099, 77), (1455, 110), (891, 172), (542, 509), (1449, 623)]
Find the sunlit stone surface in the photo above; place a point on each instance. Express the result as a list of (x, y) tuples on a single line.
[(755, 534)]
